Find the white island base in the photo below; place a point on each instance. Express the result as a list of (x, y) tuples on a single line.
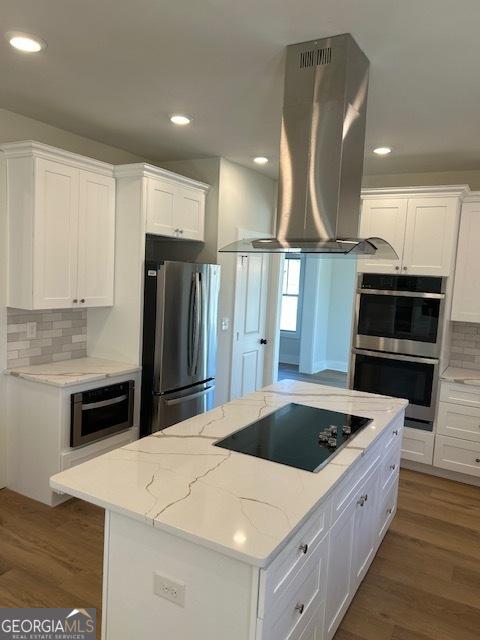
[(205, 544)]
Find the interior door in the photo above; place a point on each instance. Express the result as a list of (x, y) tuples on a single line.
[(383, 218), (249, 339), (56, 235), (430, 236), (96, 239)]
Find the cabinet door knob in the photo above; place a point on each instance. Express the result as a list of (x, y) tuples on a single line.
[(263, 341), (303, 548), (397, 268), (404, 268), (75, 301), (82, 300), (300, 608), (393, 467), (361, 501), (477, 459), (389, 511), (395, 432), (181, 231)]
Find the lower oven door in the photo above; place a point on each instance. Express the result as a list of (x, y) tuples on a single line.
[(400, 376), (170, 408)]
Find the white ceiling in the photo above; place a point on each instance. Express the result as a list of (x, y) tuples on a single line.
[(115, 69)]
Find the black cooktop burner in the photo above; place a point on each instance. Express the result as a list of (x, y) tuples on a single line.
[(296, 435)]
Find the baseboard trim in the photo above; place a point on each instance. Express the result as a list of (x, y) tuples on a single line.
[(288, 359), (440, 473)]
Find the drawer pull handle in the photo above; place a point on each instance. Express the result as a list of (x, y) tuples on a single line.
[(393, 467), (389, 511), (300, 608), (303, 548), (395, 432), (477, 459), (362, 500)]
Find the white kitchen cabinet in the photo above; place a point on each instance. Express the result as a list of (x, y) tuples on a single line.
[(365, 529), (61, 216), (466, 290), (417, 445), (174, 209), (420, 223), (455, 454), (384, 218)]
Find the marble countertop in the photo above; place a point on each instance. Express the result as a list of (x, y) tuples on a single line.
[(72, 372), (240, 505), (462, 376)]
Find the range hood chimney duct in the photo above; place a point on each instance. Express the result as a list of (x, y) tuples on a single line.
[(321, 153)]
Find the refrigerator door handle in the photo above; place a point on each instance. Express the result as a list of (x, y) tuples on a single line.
[(169, 403), (190, 337), (198, 320)]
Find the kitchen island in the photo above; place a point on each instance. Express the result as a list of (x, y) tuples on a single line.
[(202, 543)]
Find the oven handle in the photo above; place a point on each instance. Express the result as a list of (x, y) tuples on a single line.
[(169, 403), (395, 356), (401, 294), (103, 403)]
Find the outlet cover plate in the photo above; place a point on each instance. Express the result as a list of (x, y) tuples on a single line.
[(168, 588)]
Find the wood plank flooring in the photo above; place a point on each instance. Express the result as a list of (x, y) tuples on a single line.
[(424, 583), (328, 377)]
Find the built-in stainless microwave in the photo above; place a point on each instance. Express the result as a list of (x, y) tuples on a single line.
[(101, 412), (400, 314)]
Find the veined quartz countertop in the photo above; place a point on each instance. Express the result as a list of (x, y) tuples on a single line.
[(72, 372), (462, 376), (237, 504)]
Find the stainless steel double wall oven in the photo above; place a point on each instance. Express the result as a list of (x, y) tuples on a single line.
[(397, 340)]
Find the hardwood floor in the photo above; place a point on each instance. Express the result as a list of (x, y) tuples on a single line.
[(424, 583), (328, 377)]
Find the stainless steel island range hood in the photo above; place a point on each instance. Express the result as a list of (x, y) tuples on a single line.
[(321, 153)]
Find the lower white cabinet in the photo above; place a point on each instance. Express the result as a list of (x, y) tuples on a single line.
[(458, 455), (302, 594), (417, 445)]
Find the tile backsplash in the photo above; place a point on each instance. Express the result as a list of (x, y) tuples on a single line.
[(61, 334), (465, 345)]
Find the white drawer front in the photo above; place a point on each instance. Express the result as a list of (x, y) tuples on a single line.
[(276, 578), (463, 394), (388, 441), (459, 421), (457, 455), (390, 467), (388, 508), (304, 594), (417, 445)]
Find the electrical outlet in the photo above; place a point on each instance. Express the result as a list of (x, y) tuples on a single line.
[(225, 324), (169, 589), (31, 330)]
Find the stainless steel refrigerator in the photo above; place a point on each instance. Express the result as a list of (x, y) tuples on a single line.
[(179, 342)]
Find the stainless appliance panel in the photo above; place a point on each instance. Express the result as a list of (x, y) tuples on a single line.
[(171, 408), (401, 376), (185, 344)]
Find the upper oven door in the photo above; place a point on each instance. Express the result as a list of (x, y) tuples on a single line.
[(399, 321), (399, 376)]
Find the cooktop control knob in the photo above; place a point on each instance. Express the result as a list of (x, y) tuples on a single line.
[(347, 430), (332, 442), (323, 437)]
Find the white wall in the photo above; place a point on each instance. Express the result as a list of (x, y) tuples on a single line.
[(289, 349), (340, 313), (246, 201)]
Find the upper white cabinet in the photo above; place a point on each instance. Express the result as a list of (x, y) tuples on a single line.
[(61, 217), (421, 225), (175, 210), (466, 291)]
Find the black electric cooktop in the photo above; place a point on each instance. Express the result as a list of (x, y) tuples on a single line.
[(298, 436)]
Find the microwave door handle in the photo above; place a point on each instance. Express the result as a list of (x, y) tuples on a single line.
[(103, 403), (394, 356), (174, 401), (400, 294)]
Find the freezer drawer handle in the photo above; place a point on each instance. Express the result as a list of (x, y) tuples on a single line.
[(103, 403), (169, 403)]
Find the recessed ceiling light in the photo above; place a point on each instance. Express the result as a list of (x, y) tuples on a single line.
[(180, 120), (261, 160), (382, 151), (25, 42)]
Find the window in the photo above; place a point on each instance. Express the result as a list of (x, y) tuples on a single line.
[(291, 294)]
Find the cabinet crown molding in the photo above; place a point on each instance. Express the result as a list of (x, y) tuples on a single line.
[(31, 148), (145, 170), (474, 196), (457, 190)]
